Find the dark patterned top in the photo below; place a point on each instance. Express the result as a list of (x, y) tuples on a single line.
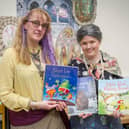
[(95, 121)]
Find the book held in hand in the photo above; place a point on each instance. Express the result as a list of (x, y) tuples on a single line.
[(113, 96), (60, 83), (86, 101)]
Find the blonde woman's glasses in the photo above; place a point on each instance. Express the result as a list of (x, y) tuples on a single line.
[(36, 24)]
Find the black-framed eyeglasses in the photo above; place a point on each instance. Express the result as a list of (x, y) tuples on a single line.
[(36, 24)]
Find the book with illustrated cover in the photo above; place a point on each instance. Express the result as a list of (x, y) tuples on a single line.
[(86, 101), (113, 96), (60, 83)]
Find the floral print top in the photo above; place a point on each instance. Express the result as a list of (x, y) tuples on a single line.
[(111, 71)]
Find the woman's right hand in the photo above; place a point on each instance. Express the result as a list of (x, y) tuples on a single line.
[(46, 105), (83, 115)]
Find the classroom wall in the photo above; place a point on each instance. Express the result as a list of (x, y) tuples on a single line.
[(113, 18)]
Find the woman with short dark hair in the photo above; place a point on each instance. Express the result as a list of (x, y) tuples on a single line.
[(100, 65)]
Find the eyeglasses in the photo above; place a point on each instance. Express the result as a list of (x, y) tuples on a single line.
[(36, 24)]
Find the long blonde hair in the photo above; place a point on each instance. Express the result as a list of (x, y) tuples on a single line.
[(20, 46)]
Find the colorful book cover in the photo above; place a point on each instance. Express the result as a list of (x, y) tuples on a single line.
[(86, 101), (113, 96), (60, 83)]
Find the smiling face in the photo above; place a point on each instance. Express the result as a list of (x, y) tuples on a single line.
[(90, 47), (36, 27)]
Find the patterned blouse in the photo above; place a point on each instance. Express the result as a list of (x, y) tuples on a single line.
[(111, 71)]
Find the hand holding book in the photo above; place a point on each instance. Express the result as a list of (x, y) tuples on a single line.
[(83, 115), (60, 106), (47, 105)]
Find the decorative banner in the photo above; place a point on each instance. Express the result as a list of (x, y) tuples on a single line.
[(7, 31), (84, 11)]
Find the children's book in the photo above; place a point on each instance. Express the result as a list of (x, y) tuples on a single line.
[(86, 101), (60, 83), (113, 96)]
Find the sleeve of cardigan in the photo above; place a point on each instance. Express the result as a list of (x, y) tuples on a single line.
[(8, 97)]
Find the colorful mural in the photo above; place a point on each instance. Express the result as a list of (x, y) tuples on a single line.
[(63, 21)]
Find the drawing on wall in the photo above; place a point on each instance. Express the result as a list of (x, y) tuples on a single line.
[(7, 31), (84, 11), (66, 46)]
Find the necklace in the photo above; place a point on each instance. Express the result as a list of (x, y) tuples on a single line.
[(34, 51), (36, 60), (95, 70)]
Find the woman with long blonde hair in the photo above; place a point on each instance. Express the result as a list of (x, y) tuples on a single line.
[(21, 77)]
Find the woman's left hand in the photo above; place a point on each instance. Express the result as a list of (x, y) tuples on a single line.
[(116, 114), (60, 106), (83, 115)]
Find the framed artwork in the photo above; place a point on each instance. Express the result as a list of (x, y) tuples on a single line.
[(84, 11)]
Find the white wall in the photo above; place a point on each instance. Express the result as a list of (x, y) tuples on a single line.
[(112, 17), (7, 7)]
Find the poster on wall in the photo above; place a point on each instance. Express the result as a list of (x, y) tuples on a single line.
[(66, 46), (63, 22), (7, 31), (84, 11)]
